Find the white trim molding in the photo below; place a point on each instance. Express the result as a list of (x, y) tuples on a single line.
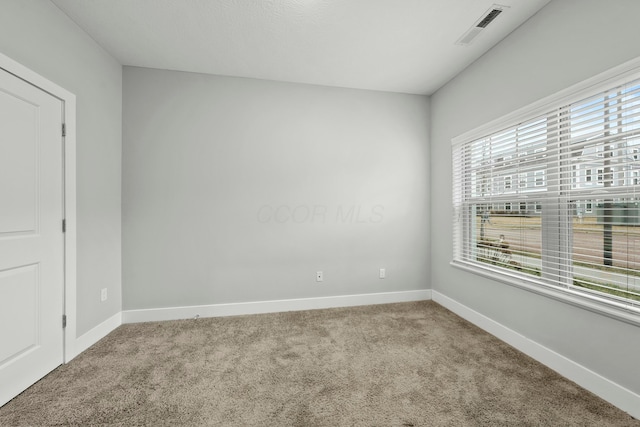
[(95, 334), (613, 393), (258, 307), (70, 255)]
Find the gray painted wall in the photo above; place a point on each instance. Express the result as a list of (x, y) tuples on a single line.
[(39, 36), (565, 43), (239, 190)]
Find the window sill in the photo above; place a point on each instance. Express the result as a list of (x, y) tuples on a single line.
[(613, 309)]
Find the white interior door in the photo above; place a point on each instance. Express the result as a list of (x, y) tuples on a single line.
[(31, 236)]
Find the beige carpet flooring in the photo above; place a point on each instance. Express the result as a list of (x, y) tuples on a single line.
[(407, 364)]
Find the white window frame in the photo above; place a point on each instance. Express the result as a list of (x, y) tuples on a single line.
[(621, 310), (522, 181)]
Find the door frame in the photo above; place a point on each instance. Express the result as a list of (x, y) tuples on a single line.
[(68, 193)]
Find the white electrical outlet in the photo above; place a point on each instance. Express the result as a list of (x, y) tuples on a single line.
[(319, 276), (383, 273), (103, 294)]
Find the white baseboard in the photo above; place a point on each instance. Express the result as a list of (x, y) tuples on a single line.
[(613, 393), (94, 335), (234, 309)]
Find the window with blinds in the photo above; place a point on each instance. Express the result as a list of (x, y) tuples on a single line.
[(555, 198)]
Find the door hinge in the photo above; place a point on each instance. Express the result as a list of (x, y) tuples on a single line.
[(64, 320), (64, 225), (64, 129)]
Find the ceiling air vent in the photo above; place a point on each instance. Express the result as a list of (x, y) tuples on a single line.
[(481, 24)]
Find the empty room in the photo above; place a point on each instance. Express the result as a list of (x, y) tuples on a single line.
[(319, 212)]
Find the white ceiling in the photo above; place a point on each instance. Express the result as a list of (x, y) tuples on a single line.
[(406, 46)]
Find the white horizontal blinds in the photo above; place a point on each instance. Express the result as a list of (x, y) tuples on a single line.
[(459, 196), (498, 197), (604, 193), (556, 197)]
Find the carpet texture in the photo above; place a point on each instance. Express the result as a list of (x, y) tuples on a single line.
[(406, 364)]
